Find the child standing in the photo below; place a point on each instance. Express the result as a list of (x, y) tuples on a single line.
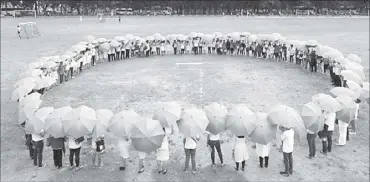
[(124, 147), (263, 153)]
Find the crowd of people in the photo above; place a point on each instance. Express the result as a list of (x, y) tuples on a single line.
[(91, 52)]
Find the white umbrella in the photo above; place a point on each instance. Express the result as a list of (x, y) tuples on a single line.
[(312, 43), (193, 35), (30, 104), (240, 120), (121, 123), (356, 88), (101, 40), (365, 90), (25, 81), (276, 36), (150, 38), (252, 38), (354, 58), (193, 122), (350, 75), (80, 121), (129, 37), (22, 90), (343, 91), (218, 34), (44, 82), (216, 114), (114, 43), (53, 123), (89, 38), (32, 73), (36, 121), (168, 113), (103, 117), (327, 103), (119, 38), (285, 116), (356, 68)]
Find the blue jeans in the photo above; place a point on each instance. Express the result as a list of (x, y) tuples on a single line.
[(190, 153)]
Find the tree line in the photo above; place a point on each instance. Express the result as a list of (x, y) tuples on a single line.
[(191, 7)]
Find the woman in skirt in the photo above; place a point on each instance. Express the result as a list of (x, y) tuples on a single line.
[(240, 152), (163, 153), (124, 147), (263, 153)]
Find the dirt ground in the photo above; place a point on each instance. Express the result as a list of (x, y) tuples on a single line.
[(141, 83)]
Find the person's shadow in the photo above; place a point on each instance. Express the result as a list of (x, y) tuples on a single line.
[(208, 173)]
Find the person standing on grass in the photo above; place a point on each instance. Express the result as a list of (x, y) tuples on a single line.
[(57, 144), (118, 50), (28, 141), (195, 46), (326, 64), (38, 146), (328, 131), (124, 148), (19, 31), (200, 50), (158, 47), (74, 145), (263, 153), (285, 51), (213, 141), (343, 132), (100, 147), (174, 45), (190, 146), (119, 19), (93, 55), (287, 148), (311, 136), (353, 122), (61, 69), (163, 154), (182, 47), (240, 152), (128, 48), (142, 156), (122, 49), (313, 61)]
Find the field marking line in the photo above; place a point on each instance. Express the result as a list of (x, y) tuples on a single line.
[(190, 63), (201, 85)]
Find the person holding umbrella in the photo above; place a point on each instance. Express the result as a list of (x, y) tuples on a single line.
[(287, 148), (190, 146), (263, 153), (240, 152), (213, 141), (38, 146), (57, 144), (163, 153), (124, 147), (74, 145), (328, 131), (100, 146)]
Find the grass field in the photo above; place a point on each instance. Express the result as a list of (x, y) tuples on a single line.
[(141, 83)]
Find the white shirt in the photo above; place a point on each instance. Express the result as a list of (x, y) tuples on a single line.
[(36, 137), (330, 120), (19, 29), (288, 140), (357, 109), (214, 137), (93, 51), (190, 143), (72, 143)]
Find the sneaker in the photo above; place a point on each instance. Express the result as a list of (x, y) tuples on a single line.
[(284, 174), (213, 165), (243, 168), (309, 157), (222, 164), (352, 133), (194, 171), (78, 168), (236, 169), (164, 171), (323, 153), (159, 171), (141, 170)]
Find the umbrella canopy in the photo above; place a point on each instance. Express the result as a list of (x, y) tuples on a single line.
[(168, 113), (147, 135), (44, 82), (240, 120), (326, 102), (365, 90), (217, 34), (114, 43), (252, 38), (80, 121), (22, 91), (129, 37), (285, 116), (312, 43), (104, 47), (193, 35), (101, 40), (103, 117), (25, 81), (348, 108), (36, 122), (216, 115), (356, 88), (53, 123), (192, 122), (119, 38), (311, 115), (354, 58), (265, 132), (343, 91), (150, 38), (350, 75), (235, 36), (30, 104), (32, 73), (122, 122), (356, 68)]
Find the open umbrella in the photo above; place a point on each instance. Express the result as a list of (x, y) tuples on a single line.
[(103, 117), (193, 122), (350, 75), (354, 58), (30, 104), (89, 38), (265, 132), (32, 73), (216, 115), (326, 102), (122, 122), (22, 91), (348, 108), (80, 121), (114, 43), (193, 35), (36, 122), (252, 38), (356, 88), (44, 82), (168, 113), (104, 47), (119, 38), (343, 91), (312, 43), (129, 37), (147, 135), (311, 115), (285, 116), (240, 120), (101, 40), (53, 123), (150, 38)]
